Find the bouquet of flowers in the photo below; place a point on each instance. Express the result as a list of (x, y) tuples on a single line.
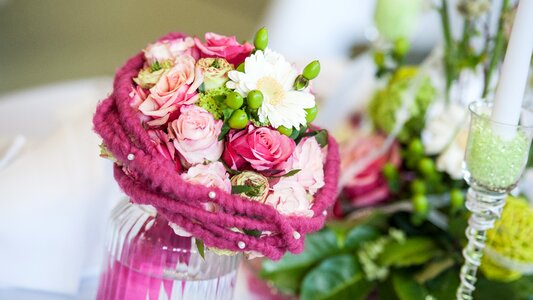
[(217, 136), (397, 228)]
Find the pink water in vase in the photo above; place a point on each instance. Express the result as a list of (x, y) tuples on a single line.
[(147, 260)]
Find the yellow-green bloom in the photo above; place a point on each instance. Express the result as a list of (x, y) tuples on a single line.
[(509, 243)]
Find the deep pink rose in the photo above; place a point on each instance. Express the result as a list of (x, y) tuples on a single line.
[(176, 87), (223, 46), (195, 135), (170, 50), (361, 158), (309, 159), (164, 146), (263, 148)]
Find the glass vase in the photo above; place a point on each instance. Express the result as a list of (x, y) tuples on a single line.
[(146, 259)]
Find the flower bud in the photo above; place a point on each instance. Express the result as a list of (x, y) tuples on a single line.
[(257, 182)]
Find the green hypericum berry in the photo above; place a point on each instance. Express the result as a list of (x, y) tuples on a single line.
[(379, 58), (389, 171), (261, 39), (254, 99), (416, 147), (311, 70), (234, 100), (311, 114), (240, 68), (426, 166), (300, 82), (418, 187), (238, 119), (401, 47), (457, 199), (284, 130), (420, 204)]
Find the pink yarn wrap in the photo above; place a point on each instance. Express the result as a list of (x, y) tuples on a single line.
[(152, 179)]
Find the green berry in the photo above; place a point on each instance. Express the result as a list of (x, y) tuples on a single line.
[(261, 39), (284, 130), (389, 171), (401, 47), (240, 68), (238, 119), (416, 148), (426, 166), (420, 204), (311, 114), (311, 70), (379, 58), (254, 99), (457, 199), (300, 82), (418, 187), (234, 100)]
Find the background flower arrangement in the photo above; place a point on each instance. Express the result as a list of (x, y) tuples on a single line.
[(399, 222), (229, 118)]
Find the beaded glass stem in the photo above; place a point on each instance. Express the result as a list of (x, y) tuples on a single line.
[(493, 166)]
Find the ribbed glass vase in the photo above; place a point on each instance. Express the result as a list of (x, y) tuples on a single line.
[(146, 260)]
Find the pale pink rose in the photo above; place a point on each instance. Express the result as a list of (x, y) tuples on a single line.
[(263, 148), (225, 47), (308, 158), (289, 198), (195, 134), (176, 87), (367, 186), (211, 175), (137, 96), (170, 49)]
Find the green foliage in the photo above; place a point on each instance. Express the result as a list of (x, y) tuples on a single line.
[(338, 277)]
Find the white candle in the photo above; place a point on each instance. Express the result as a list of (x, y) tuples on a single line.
[(513, 77)]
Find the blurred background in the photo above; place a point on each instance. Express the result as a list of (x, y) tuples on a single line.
[(56, 40)]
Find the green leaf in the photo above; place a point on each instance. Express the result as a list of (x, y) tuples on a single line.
[(201, 248), (433, 269), (288, 174), (338, 277), (359, 235), (407, 288), (322, 138), (253, 232), (287, 273), (414, 251), (241, 189), (223, 131), (445, 285)]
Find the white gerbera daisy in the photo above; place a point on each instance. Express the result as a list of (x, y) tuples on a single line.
[(269, 72)]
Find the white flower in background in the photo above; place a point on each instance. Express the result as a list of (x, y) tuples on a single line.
[(451, 159), (269, 72), (443, 121), (445, 134)]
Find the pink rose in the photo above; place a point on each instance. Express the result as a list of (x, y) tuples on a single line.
[(170, 49), (262, 147), (195, 133), (290, 198), (308, 158), (211, 175), (137, 96), (164, 146), (176, 87), (367, 186), (223, 46)]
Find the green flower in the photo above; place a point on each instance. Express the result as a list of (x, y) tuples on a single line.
[(215, 71), (213, 101), (509, 241), (387, 102)]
